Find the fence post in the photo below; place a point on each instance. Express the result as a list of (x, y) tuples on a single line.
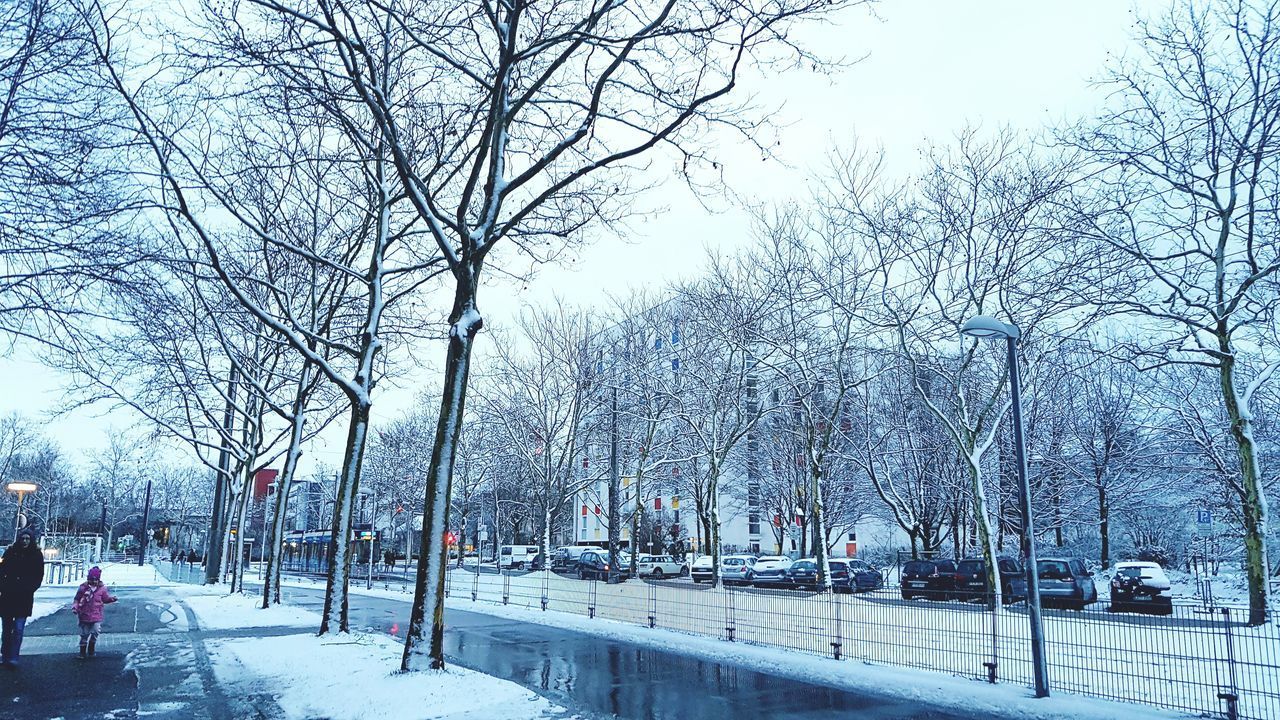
[(475, 584), (836, 631), (730, 616), (995, 643), (1231, 696), (506, 588), (591, 600), (653, 604)]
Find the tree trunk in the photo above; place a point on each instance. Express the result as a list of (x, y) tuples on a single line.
[(1254, 498), (338, 578), (987, 539), (271, 577), (1104, 525), (420, 649)]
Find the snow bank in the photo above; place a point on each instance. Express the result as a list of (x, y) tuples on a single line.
[(354, 677)]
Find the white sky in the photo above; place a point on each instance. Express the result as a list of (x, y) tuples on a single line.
[(931, 67)]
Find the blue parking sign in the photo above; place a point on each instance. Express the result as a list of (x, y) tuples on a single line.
[(1204, 517)]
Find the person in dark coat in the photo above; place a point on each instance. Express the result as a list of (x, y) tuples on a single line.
[(21, 572)]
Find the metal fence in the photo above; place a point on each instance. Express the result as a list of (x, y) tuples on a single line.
[(188, 573), (1196, 659)]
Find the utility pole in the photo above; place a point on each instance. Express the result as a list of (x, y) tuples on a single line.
[(213, 555), (146, 514)]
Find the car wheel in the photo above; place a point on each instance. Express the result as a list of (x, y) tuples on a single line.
[(657, 573), (684, 571)]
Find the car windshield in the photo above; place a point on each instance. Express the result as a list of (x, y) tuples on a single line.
[(970, 566), (1131, 572), (1007, 566)]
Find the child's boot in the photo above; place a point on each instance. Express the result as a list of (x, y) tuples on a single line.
[(83, 648), (92, 643)]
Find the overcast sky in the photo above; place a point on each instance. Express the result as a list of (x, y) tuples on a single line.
[(930, 68)]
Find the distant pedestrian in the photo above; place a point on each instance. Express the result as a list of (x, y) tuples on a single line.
[(21, 573), (90, 600), (389, 560), (182, 557)]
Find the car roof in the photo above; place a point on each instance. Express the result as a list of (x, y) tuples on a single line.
[(1139, 564)]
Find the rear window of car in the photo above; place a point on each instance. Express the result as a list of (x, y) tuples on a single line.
[(804, 565), (1054, 569), (1131, 572), (918, 567), (733, 561), (1008, 566), (836, 565), (970, 566)]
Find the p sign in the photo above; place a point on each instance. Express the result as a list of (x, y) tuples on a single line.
[(1204, 517)]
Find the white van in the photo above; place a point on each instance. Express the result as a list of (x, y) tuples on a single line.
[(516, 556)]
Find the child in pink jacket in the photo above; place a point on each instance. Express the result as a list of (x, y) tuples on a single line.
[(90, 600)]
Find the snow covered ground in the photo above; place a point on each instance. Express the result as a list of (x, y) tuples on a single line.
[(352, 676)]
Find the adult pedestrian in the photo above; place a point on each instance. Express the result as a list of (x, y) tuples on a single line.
[(21, 573)]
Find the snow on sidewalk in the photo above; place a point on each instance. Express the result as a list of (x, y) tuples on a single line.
[(353, 676)]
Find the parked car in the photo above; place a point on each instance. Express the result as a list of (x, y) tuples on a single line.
[(1064, 582), (516, 556), (770, 570), (737, 569), (1141, 587), (971, 580), (931, 579), (565, 558), (702, 569), (861, 577), (660, 566), (803, 573), (594, 565)]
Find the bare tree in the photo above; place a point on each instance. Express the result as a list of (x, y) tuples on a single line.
[(1192, 176)]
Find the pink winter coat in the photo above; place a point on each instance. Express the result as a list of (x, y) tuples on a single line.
[(90, 599)]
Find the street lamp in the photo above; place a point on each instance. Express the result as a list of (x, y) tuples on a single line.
[(22, 488), (988, 328)]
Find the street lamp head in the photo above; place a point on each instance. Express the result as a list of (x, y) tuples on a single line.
[(22, 487), (989, 328)]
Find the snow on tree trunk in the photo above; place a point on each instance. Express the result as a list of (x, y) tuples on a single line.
[(713, 498), (1254, 499), (339, 575), (422, 650), (271, 578), (983, 522)]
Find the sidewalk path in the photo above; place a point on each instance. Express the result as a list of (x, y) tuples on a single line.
[(151, 662)]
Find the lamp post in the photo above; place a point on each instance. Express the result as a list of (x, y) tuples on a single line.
[(988, 328), (21, 488)]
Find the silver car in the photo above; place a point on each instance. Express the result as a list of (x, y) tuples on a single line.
[(737, 569), (1064, 582)]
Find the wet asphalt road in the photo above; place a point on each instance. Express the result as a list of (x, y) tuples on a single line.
[(603, 678)]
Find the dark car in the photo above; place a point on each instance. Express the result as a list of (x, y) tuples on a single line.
[(862, 577), (803, 573), (971, 580), (931, 579), (1064, 582), (594, 565)]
